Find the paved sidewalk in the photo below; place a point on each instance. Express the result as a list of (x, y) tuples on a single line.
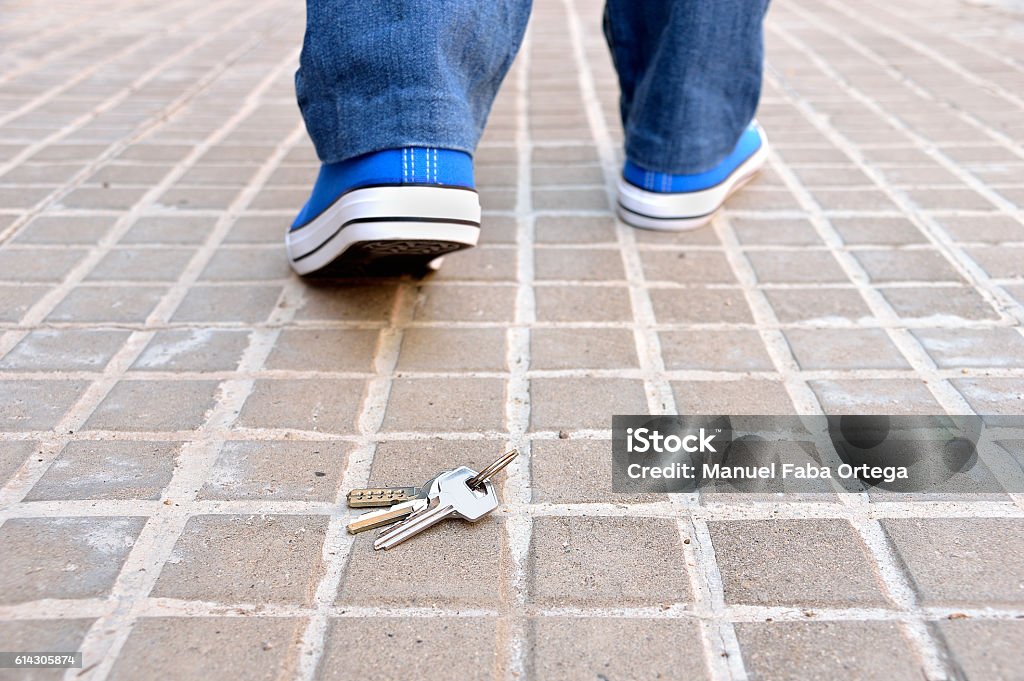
[(181, 416)]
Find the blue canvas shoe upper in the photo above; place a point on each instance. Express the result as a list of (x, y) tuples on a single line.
[(411, 166), (749, 142)]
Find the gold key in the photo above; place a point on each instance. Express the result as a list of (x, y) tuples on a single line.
[(384, 516), (399, 511), (383, 496)]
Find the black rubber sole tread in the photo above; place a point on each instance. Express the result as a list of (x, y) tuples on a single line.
[(387, 258)]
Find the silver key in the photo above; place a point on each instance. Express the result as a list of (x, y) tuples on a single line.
[(454, 497)]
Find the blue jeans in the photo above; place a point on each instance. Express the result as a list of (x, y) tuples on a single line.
[(423, 73)]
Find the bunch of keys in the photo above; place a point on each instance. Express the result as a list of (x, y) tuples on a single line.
[(462, 493)]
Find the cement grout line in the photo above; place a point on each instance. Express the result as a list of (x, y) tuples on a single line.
[(733, 613), (825, 507), (512, 637), (824, 324), (718, 642), (338, 545)]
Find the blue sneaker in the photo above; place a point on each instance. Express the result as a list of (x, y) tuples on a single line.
[(678, 202), (397, 209)]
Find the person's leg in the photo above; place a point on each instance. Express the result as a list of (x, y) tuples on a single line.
[(395, 96), (690, 75)]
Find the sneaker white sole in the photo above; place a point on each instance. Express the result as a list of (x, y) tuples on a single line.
[(684, 210), (401, 227)]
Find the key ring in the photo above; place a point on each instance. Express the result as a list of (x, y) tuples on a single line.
[(492, 470)]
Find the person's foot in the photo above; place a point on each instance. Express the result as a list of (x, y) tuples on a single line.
[(394, 210), (677, 202)]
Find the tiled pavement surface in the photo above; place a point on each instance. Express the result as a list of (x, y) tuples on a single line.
[(180, 415)]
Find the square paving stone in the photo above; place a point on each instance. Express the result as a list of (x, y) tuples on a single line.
[(255, 229), (817, 304), (582, 349), (170, 229), (36, 405), (808, 651), (465, 303), (606, 562), (796, 267), (359, 648), (747, 396), (582, 303), (64, 350), (687, 267), (63, 557), (974, 348), (574, 403), (875, 396), (37, 264), (103, 198), (700, 305), (613, 648), (465, 568), (141, 264), (948, 198), (763, 199), (902, 265), (154, 405), (445, 404), (985, 649), (739, 350), (328, 405), (12, 456), (304, 471), (877, 231), (108, 470), (245, 264), (193, 350), (798, 563), (490, 263), (578, 264), (573, 230), (452, 350), (194, 648), (109, 304), (988, 228), (227, 304), (938, 301), (340, 301), (245, 559), (576, 472), (324, 350), (776, 233), (1000, 262), (38, 635), (853, 199), (65, 230), (816, 349), (15, 301), (972, 562), (993, 396)]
